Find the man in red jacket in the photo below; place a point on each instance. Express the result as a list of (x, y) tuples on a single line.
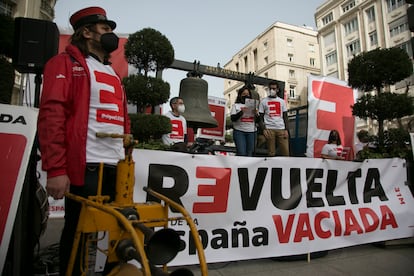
[(81, 95)]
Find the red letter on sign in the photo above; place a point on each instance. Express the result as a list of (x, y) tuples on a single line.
[(341, 118), (219, 192)]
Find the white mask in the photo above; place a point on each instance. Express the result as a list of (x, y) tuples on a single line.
[(272, 93), (181, 108)]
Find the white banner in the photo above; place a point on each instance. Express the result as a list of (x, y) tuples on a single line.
[(250, 207), (18, 129)]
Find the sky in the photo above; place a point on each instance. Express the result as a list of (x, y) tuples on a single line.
[(209, 31)]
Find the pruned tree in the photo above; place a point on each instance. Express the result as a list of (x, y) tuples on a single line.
[(146, 91), (374, 70), (378, 68), (149, 51)]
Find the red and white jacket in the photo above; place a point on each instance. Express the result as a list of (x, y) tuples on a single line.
[(63, 115)]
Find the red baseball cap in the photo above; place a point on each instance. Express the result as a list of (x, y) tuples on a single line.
[(90, 15)]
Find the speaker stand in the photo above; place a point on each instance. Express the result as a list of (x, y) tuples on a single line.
[(38, 83)]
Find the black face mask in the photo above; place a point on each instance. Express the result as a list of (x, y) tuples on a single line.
[(243, 99), (109, 42)]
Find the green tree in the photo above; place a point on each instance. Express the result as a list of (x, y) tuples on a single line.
[(146, 127), (374, 70), (146, 91), (149, 51), (378, 68)]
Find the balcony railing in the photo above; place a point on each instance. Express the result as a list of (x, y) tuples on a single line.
[(294, 98)]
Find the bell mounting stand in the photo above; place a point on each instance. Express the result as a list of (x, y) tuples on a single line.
[(217, 71)]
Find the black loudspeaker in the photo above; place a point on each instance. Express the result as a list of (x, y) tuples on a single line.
[(410, 18), (35, 42)]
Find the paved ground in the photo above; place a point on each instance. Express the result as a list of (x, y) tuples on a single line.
[(357, 260), (391, 258)]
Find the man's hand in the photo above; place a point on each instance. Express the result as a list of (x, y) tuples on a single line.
[(57, 186)]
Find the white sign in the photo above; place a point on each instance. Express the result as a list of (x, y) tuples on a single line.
[(330, 101), (218, 111), (17, 132)]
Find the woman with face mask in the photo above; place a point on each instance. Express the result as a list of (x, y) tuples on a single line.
[(243, 116), (333, 149)]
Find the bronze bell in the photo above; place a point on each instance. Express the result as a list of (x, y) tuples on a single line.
[(193, 91)]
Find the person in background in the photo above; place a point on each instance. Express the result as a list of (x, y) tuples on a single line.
[(363, 140), (244, 123), (333, 149), (81, 96), (274, 121), (177, 138)]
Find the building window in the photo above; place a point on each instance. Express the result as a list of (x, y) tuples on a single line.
[(334, 74), (292, 92), (265, 45), (349, 5), (246, 65), (255, 60), (290, 57), (237, 67), (45, 5), (266, 60), (373, 38), (311, 47), (6, 8), (312, 62), (266, 75), (292, 74), (351, 26), (394, 4), (329, 39), (289, 42), (406, 46), (398, 26), (327, 18), (353, 48), (331, 58), (370, 14)]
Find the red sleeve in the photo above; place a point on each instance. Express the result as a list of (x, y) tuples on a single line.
[(53, 112)]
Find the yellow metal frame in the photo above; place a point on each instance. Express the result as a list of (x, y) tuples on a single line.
[(97, 215)]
